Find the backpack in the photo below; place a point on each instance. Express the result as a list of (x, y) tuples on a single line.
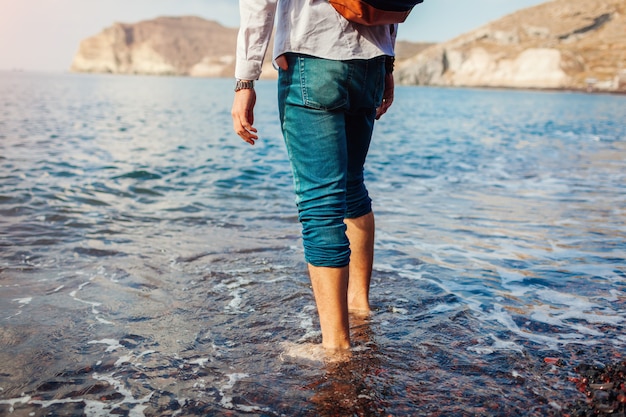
[(374, 12)]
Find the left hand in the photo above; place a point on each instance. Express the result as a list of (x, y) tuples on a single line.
[(387, 96)]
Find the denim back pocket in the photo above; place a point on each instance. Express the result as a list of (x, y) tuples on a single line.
[(323, 83)]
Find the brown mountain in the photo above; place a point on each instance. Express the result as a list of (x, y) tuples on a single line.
[(163, 46), (569, 44)]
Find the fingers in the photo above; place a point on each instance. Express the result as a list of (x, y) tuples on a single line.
[(282, 63), (246, 132), (242, 124), (384, 106), (244, 129)]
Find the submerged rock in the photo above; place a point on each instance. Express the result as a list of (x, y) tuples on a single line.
[(605, 389)]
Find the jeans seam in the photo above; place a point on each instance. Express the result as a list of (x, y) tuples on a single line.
[(305, 98), (349, 83)]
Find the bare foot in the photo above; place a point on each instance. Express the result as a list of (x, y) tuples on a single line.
[(337, 355), (314, 352)]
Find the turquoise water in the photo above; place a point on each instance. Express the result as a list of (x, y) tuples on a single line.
[(151, 265)]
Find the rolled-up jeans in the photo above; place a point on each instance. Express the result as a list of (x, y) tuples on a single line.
[(327, 111)]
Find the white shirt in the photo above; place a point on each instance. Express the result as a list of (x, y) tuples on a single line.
[(311, 27)]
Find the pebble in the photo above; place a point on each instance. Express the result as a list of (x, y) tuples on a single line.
[(605, 388)]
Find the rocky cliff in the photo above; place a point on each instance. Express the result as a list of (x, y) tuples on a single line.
[(561, 44), (162, 46)]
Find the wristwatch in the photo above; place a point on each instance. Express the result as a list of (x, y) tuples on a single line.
[(244, 85)]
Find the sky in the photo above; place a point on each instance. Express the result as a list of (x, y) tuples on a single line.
[(43, 35)]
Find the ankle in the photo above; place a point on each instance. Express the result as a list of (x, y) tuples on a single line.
[(359, 312), (336, 344), (358, 305), (358, 295)]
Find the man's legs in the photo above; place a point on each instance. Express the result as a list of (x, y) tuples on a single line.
[(312, 96), (359, 216), (330, 287), (361, 236), (341, 290)]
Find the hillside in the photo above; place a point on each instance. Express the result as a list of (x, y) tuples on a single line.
[(561, 44), (163, 46)]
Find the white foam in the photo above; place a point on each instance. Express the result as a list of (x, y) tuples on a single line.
[(546, 305), (305, 317), (11, 402), (615, 295), (103, 321), (227, 401), (308, 351), (145, 353), (124, 359), (399, 310), (314, 352), (548, 315), (237, 283), (138, 409), (500, 344), (501, 316), (97, 409), (23, 301), (235, 289), (555, 297), (442, 308), (508, 276), (481, 350), (497, 345), (93, 304), (46, 404), (200, 362), (113, 344), (235, 303)]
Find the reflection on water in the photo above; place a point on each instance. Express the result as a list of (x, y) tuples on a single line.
[(151, 263)]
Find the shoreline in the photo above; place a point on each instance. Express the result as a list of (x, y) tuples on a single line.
[(477, 87)]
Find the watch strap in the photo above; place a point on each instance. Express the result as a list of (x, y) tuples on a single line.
[(244, 85)]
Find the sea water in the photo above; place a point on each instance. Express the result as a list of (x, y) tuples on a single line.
[(151, 261)]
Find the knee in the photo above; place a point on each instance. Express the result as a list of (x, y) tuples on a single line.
[(358, 201), (325, 241), (327, 246)]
